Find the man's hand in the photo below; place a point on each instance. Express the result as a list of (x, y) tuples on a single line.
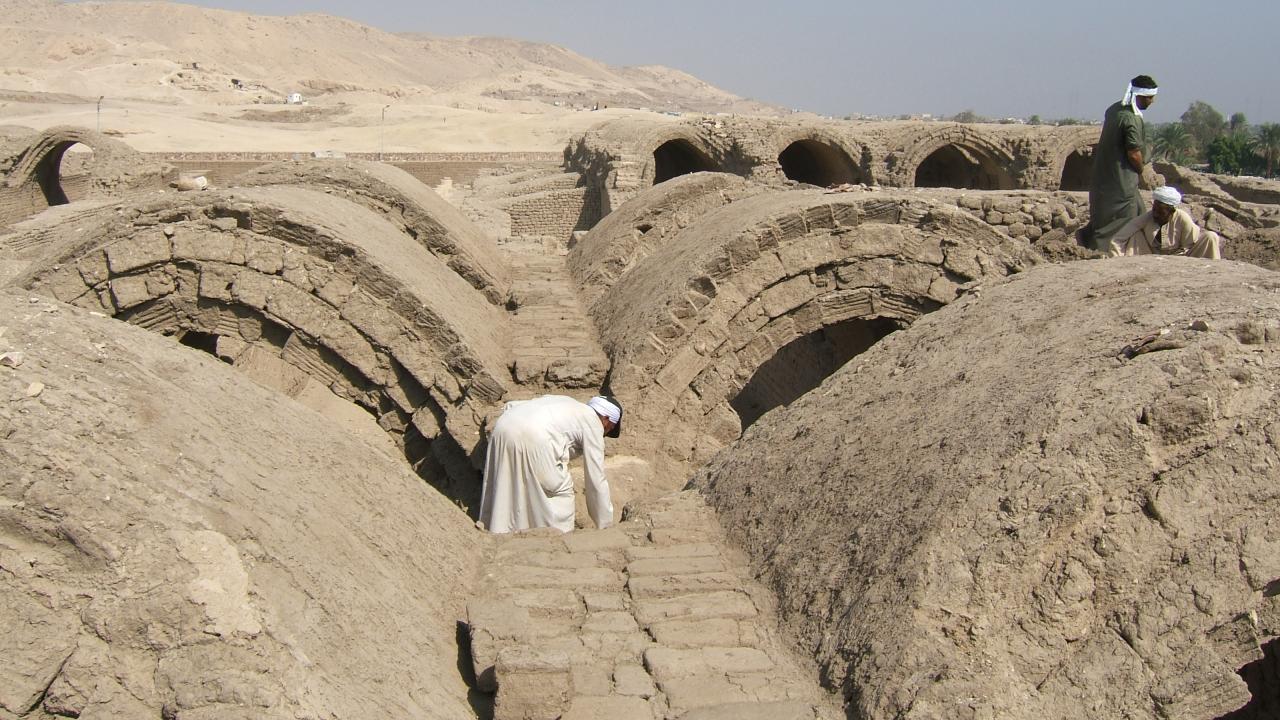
[(1135, 160)]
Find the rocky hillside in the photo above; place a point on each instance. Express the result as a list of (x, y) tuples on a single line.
[(184, 54)]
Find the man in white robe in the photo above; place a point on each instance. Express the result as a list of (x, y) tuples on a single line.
[(1166, 230), (526, 470)]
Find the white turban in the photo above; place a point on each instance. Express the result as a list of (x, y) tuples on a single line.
[(1167, 195), (605, 408), (1132, 94)]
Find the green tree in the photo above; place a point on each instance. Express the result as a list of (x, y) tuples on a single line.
[(968, 116), (1035, 120), (1063, 122), (1234, 153), (1238, 122), (1267, 145), (1204, 124), (1172, 144)]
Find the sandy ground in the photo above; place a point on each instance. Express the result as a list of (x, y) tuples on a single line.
[(409, 128)]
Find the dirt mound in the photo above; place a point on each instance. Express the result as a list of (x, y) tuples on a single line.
[(1260, 247), (994, 513), (177, 541)]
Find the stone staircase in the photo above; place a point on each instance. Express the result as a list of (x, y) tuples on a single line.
[(554, 343), (652, 619)]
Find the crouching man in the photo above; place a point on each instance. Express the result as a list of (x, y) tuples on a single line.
[(1166, 230), (526, 470)]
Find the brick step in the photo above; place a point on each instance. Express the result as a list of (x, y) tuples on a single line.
[(649, 620)]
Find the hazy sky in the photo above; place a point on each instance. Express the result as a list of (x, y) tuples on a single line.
[(999, 58)]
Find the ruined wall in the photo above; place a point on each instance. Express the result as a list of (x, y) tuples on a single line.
[(620, 158), (31, 167), (555, 213)]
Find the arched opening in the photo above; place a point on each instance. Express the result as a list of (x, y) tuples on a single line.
[(281, 359), (1077, 171), (1263, 678), (805, 362), (63, 173), (678, 157), (818, 163), (953, 166)]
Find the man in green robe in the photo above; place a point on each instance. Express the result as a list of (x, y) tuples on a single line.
[(1118, 165)]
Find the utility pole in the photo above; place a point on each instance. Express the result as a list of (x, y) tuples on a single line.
[(100, 98), (382, 133)]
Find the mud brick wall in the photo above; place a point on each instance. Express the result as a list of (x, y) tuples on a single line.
[(555, 213), (1028, 216), (19, 203)]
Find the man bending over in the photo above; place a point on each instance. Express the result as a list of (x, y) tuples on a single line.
[(526, 470)]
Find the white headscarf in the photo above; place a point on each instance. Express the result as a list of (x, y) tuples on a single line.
[(1132, 94), (1167, 196), (605, 408)]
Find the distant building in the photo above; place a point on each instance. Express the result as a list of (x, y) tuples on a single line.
[(294, 99)]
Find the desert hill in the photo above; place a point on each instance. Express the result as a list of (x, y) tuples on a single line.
[(181, 54)]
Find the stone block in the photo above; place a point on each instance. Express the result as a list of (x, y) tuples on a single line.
[(372, 318), (715, 632), (532, 684), (129, 290), (610, 622), (726, 604), (160, 283), (300, 310), (787, 710), (633, 680), (678, 536), (665, 663), (802, 255), (675, 566), (787, 295), (66, 284), (265, 257), (252, 288), (597, 602), (139, 251), (687, 693), (913, 278), (582, 579), (650, 552), (683, 367), (216, 280), (591, 680), (608, 708), (493, 624), (196, 246), (660, 586), (336, 290), (615, 647), (597, 540), (93, 268)]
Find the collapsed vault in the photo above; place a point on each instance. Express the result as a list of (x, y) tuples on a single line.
[(324, 285), (996, 506), (689, 325)]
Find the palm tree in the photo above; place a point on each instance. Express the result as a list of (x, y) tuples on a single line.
[(1267, 144), (1172, 143)]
